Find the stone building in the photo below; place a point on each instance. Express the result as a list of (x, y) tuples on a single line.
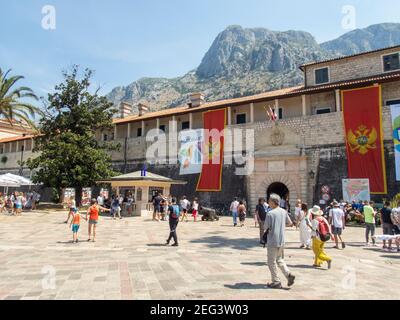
[(312, 150)]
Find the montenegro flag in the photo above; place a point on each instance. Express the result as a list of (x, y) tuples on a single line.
[(362, 113), (213, 151)]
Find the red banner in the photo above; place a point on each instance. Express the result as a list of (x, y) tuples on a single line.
[(362, 113), (213, 151)]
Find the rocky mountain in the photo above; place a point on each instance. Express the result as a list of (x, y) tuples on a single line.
[(374, 37), (249, 61)]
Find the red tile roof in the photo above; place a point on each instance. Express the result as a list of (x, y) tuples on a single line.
[(267, 96), (345, 57)]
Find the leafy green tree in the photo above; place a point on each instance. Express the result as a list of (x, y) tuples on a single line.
[(70, 155), (13, 105)]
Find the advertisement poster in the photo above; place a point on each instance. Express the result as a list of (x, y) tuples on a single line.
[(104, 193), (356, 190), (86, 196), (190, 155), (396, 137), (69, 193)]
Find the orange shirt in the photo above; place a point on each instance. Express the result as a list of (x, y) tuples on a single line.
[(94, 212), (76, 219)]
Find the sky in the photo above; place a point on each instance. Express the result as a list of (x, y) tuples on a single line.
[(124, 40)]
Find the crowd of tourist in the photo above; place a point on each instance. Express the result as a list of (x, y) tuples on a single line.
[(316, 226), (14, 202)]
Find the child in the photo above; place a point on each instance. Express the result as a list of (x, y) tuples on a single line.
[(75, 223), (195, 209), (242, 213)]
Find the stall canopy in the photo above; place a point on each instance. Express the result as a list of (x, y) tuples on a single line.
[(12, 180)]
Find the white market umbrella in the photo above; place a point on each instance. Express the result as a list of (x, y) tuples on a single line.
[(13, 178)]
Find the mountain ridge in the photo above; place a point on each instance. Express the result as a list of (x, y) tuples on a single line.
[(245, 61)]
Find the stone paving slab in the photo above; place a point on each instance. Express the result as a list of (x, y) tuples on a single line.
[(214, 261)]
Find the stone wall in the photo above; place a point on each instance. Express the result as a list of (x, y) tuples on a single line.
[(350, 68)]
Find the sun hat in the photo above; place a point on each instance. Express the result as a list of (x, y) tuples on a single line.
[(335, 204), (316, 211)]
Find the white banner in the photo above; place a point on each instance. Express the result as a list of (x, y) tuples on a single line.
[(190, 155), (396, 137)]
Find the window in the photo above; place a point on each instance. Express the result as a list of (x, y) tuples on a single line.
[(280, 113), (162, 128), (185, 125), (391, 62), (105, 137), (322, 110), (139, 132), (392, 102), (241, 118), (322, 75)]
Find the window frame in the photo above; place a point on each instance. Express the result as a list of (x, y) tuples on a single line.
[(322, 108), (315, 75), (383, 62), (240, 114), (391, 100), (137, 132)]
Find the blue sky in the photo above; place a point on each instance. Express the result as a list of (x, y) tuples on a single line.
[(124, 40)]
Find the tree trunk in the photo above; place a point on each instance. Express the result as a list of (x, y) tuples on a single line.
[(78, 196)]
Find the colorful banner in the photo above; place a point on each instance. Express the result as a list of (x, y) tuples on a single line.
[(190, 154), (362, 113), (396, 137), (86, 197), (213, 150), (356, 190)]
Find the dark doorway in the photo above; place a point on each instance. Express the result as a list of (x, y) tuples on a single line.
[(278, 188)]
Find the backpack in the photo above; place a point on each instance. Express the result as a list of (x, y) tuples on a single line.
[(323, 230), (175, 212)]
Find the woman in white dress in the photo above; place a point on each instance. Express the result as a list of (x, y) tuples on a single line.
[(304, 225)]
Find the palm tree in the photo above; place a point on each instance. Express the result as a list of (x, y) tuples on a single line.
[(12, 106)]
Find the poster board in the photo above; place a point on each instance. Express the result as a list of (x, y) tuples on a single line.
[(356, 190), (69, 193), (190, 154), (86, 196)]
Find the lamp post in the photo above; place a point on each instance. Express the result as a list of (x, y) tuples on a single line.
[(21, 169)]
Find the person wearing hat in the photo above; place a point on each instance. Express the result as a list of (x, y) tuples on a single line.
[(321, 232), (337, 220)]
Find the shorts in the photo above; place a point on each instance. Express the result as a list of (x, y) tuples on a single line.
[(18, 206), (388, 229), (157, 209), (242, 217), (194, 213), (75, 228), (93, 221), (337, 231)]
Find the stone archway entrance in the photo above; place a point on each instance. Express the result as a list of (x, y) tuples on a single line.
[(279, 188)]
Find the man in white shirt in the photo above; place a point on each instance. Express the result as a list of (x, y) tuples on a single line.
[(234, 210), (185, 204), (100, 200), (337, 220)]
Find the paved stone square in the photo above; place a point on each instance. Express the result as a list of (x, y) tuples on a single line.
[(213, 261)]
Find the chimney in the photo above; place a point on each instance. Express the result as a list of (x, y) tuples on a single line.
[(125, 109), (143, 108), (196, 100)]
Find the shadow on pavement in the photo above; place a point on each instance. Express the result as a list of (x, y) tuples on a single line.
[(222, 242), (391, 256), (156, 245), (257, 264), (246, 285), (304, 266)]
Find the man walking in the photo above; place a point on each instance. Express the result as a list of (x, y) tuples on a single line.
[(261, 212), (369, 218), (234, 210), (275, 225), (174, 213), (337, 220), (387, 224)]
